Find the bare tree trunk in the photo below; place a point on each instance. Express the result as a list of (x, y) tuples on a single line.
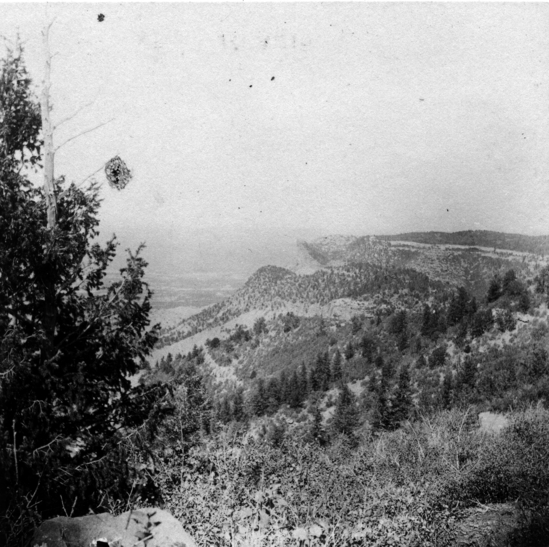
[(48, 134), (50, 307)]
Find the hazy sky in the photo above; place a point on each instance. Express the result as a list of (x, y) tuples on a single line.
[(303, 118)]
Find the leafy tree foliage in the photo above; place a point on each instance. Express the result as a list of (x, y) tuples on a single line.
[(68, 342)]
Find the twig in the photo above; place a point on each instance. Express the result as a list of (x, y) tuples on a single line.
[(69, 118), (46, 445), (84, 133), (64, 193), (2, 374), (15, 455)]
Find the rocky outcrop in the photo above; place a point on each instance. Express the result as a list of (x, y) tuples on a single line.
[(491, 422), (488, 526), (144, 527)]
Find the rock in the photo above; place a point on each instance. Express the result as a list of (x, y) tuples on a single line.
[(490, 422), (150, 527), (487, 526)]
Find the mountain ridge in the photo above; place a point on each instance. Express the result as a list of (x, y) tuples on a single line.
[(345, 269)]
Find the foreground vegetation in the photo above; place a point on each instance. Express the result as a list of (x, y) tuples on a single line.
[(408, 487)]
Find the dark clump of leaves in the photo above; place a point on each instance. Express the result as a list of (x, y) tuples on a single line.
[(117, 173)]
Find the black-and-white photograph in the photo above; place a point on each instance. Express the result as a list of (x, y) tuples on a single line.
[(274, 274)]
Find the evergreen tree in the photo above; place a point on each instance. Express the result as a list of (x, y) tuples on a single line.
[(402, 341), (458, 306), (402, 402), (303, 383), (223, 410), (337, 373), (238, 405), (379, 361), (471, 308), (260, 326), (447, 390), (367, 347), (272, 394), (68, 341), (508, 281), (438, 357), (323, 371), (398, 323), (284, 388), (349, 351), (542, 281), (494, 290), (421, 362), (317, 432), (382, 418), (295, 390), (468, 373), (481, 322), (257, 402), (321, 327), (356, 325), (346, 415), (426, 323)]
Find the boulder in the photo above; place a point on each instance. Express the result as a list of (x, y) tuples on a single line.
[(139, 528), (488, 526), (491, 422)]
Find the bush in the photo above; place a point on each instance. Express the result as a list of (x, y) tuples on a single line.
[(512, 466)]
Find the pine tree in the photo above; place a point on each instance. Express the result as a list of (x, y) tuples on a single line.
[(337, 372), (467, 373), (257, 401), (272, 395), (346, 415), (356, 325), (458, 306), (402, 402), (383, 418), (447, 390), (323, 371), (238, 405), (367, 346), (303, 383), (295, 390), (494, 290), (349, 351), (317, 432), (284, 388)]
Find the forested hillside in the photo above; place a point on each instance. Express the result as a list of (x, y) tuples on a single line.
[(357, 268), (367, 371)]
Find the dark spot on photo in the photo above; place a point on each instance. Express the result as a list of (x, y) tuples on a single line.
[(100, 17)]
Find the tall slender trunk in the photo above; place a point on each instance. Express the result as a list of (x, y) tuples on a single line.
[(50, 306), (48, 134)]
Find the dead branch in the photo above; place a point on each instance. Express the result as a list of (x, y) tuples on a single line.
[(83, 133), (74, 114)]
